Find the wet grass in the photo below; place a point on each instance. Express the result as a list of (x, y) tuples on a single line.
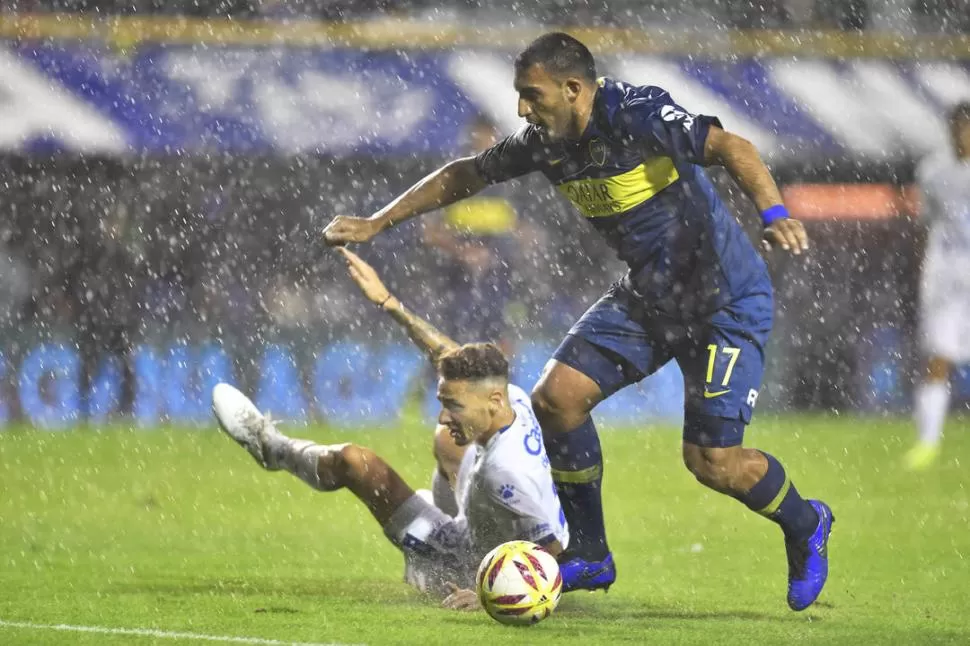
[(178, 530)]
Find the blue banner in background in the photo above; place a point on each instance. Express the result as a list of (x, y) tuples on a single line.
[(347, 384), (167, 98), (173, 98)]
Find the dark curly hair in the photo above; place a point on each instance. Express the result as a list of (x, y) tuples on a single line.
[(474, 362)]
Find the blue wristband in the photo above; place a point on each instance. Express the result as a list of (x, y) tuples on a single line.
[(773, 213)]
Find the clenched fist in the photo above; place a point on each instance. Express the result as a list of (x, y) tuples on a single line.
[(344, 229)]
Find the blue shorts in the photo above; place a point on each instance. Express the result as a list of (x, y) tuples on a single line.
[(619, 341)]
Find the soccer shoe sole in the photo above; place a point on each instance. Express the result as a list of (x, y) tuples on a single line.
[(239, 418)]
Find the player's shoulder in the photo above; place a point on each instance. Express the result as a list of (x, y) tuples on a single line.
[(620, 97), (624, 105), (518, 395), (522, 439), (932, 165), (527, 135)]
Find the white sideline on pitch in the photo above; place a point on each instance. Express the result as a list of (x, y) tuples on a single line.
[(161, 634)]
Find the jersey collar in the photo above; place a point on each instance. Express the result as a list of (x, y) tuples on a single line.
[(502, 430)]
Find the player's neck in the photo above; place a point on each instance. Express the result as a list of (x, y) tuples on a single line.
[(500, 422), (581, 118)]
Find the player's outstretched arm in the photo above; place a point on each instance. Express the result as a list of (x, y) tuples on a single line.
[(427, 337), (452, 182), (742, 161)]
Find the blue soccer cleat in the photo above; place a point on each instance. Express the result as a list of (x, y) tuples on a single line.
[(808, 561), (580, 574)]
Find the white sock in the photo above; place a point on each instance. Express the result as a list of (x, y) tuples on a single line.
[(443, 496), (299, 457), (932, 404)]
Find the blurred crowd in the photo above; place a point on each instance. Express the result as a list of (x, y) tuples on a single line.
[(183, 247), (924, 16), (107, 255)]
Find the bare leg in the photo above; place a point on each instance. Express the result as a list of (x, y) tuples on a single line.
[(362, 471), (563, 398), (756, 479), (323, 467), (733, 470)]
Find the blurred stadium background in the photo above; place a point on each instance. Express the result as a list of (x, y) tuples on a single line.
[(168, 167)]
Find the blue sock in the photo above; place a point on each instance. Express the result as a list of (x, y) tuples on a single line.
[(577, 470), (775, 498)]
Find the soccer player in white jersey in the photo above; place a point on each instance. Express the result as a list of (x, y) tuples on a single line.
[(488, 447), (944, 182)]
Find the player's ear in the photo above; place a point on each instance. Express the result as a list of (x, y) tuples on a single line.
[(495, 401), (573, 88)]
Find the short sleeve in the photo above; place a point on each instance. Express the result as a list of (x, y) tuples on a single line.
[(514, 156), (519, 495), (662, 127)]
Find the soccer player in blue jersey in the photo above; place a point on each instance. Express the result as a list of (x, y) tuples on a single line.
[(632, 161)]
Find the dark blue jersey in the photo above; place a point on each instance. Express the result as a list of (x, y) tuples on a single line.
[(635, 175)]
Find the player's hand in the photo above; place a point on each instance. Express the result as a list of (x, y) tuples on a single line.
[(344, 229), (460, 599), (788, 233), (365, 277)]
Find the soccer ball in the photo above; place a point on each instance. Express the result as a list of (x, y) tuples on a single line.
[(519, 583)]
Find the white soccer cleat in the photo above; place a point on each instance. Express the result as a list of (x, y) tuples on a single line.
[(243, 422)]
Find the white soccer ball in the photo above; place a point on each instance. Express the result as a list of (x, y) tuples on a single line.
[(519, 583)]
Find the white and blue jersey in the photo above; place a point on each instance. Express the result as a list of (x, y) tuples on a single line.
[(505, 489), (504, 492)]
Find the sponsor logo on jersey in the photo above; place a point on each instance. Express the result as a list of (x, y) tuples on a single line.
[(604, 196), (597, 151)]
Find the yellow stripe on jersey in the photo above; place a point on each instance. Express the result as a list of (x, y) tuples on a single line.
[(599, 197), (589, 474), (482, 216)]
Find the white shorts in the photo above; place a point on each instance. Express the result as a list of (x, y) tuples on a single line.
[(436, 546), (945, 309)]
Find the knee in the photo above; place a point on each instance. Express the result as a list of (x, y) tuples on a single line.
[(550, 404), (564, 397), (544, 402), (717, 468)]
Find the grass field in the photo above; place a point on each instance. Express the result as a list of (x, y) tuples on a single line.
[(178, 530)]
